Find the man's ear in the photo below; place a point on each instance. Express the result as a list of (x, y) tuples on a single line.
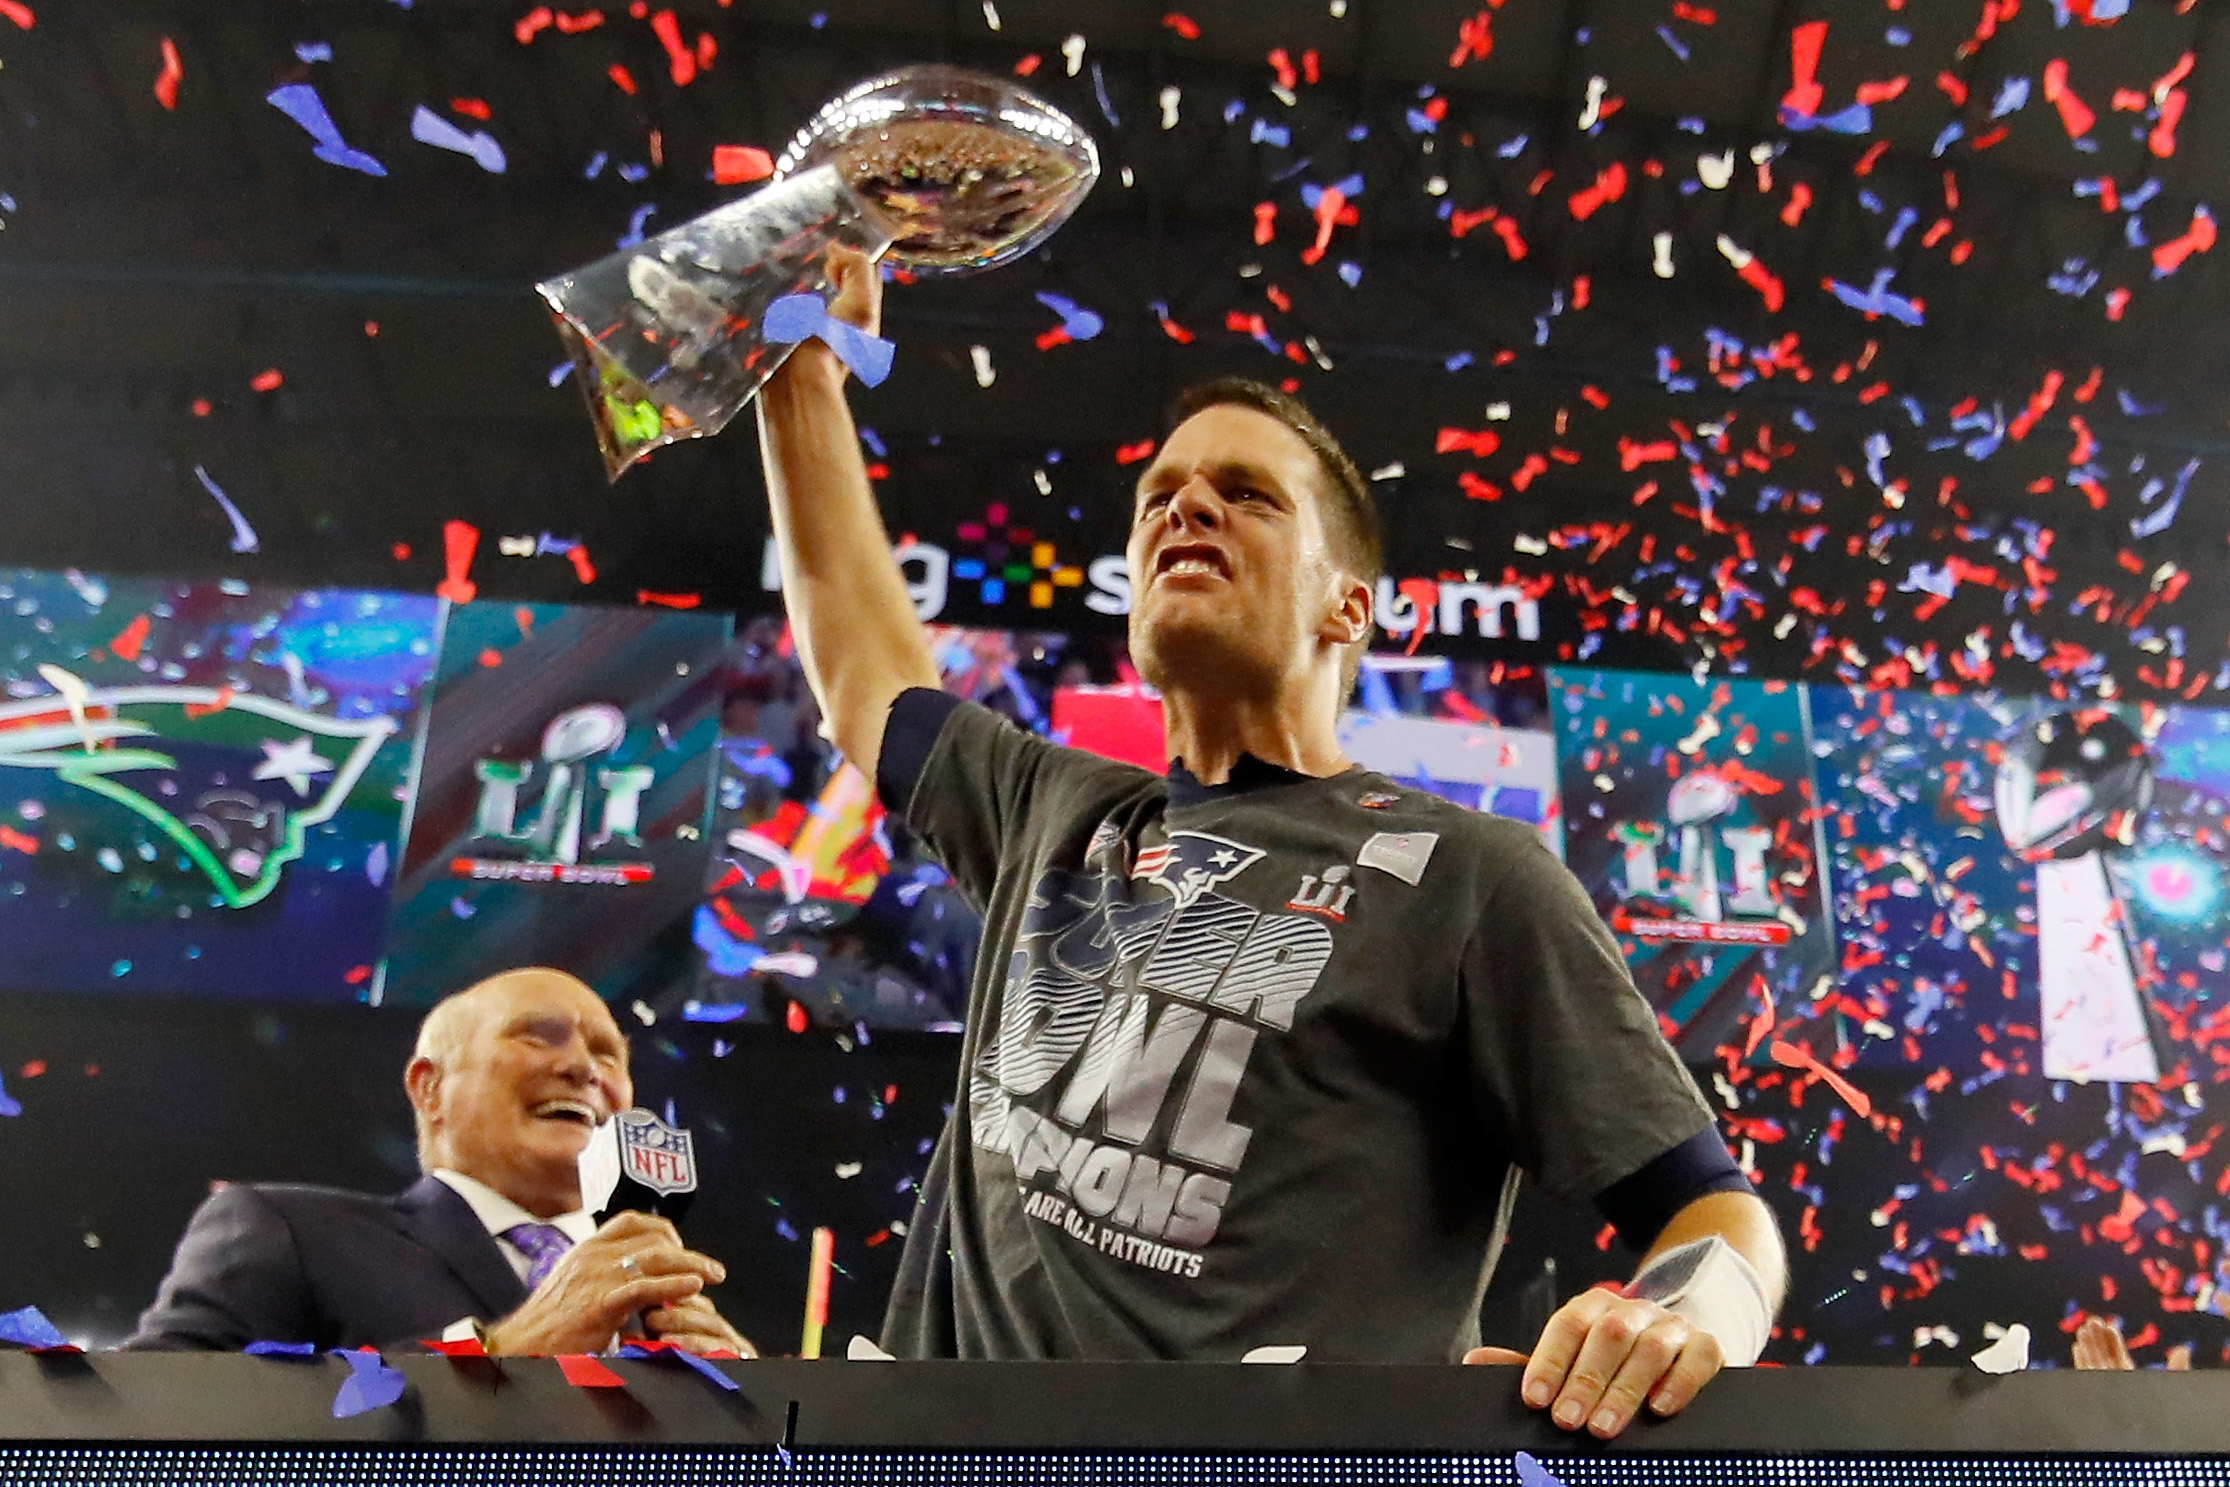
[(422, 1082), (1350, 618)]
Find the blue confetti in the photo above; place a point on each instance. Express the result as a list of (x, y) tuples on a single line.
[(300, 102), (798, 317), (29, 1328), (371, 1384), (430, 128), (1080, 323)]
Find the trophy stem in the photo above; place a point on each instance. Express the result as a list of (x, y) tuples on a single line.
[(666, 338)]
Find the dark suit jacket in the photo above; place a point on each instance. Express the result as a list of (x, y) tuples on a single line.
[(280, 1263)]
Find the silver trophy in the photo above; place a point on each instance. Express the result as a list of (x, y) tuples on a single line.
[(947, 171)]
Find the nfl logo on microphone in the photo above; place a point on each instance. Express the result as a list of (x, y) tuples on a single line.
[(655, 1154)]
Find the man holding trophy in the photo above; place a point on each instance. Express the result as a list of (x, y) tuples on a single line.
[(1256, 1050)]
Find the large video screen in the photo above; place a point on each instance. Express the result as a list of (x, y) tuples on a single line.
[(225, 790), (203, 785)]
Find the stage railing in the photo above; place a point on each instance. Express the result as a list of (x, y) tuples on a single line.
[(146, 1419)]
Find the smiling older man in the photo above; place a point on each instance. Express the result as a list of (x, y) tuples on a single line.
[(509, 1080)]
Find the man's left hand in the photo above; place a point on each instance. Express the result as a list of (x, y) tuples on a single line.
[(696, 1326), (1603, 1354)]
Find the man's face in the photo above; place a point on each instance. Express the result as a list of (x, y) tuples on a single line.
[(542, 1066), (1231, 578)]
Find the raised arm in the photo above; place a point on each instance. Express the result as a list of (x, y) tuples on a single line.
[(854, 623)]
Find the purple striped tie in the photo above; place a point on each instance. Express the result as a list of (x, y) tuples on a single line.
[(543, 1245)]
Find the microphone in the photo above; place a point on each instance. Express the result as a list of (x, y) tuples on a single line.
[(637, 1161)]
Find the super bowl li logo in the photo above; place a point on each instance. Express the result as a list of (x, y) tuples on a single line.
[(1704, 905), (543, 805)]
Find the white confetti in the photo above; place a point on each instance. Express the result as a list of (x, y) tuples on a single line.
[(2009, 1354), (1073, 49), (986, 374), (1592, 115), (243, 535)]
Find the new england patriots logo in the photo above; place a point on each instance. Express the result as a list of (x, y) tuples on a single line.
[(1192, 862), (196, 764)]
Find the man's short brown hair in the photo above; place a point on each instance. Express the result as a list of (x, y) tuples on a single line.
[(1350, 515)]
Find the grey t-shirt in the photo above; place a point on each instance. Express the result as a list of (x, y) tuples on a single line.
[(1249, 1065)]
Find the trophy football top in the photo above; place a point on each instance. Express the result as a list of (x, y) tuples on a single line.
[(969, 170)]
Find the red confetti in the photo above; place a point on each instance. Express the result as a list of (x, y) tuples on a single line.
[(134, 635), (357, 975), (532, 24), (1331, 208), (1474, 40), (583, 569), (1131, 454), (459, 540), (268, 380), (1791, 1056), (20, 13), (794, 1019), (1479, 445), (1609, 185), (1027, 65), (585, 1371), (463, 1347), (2075, 115), (669, 601), (34, 1068), (680, 60), (2162, 141), (1805, 93), (2170, 256), (166, 82), (1184, 25), (623, 77), (18, 841), (733, 165)]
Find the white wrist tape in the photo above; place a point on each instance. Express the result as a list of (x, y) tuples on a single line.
[(1708, 1284)]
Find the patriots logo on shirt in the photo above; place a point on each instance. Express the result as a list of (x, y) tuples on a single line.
[(1192, 862)]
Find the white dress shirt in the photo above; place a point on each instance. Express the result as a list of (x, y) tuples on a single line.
[(497, 1214)]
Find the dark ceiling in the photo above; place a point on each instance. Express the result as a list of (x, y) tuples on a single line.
[(154, 261)]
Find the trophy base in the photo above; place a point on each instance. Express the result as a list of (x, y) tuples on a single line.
[(629, 420)]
